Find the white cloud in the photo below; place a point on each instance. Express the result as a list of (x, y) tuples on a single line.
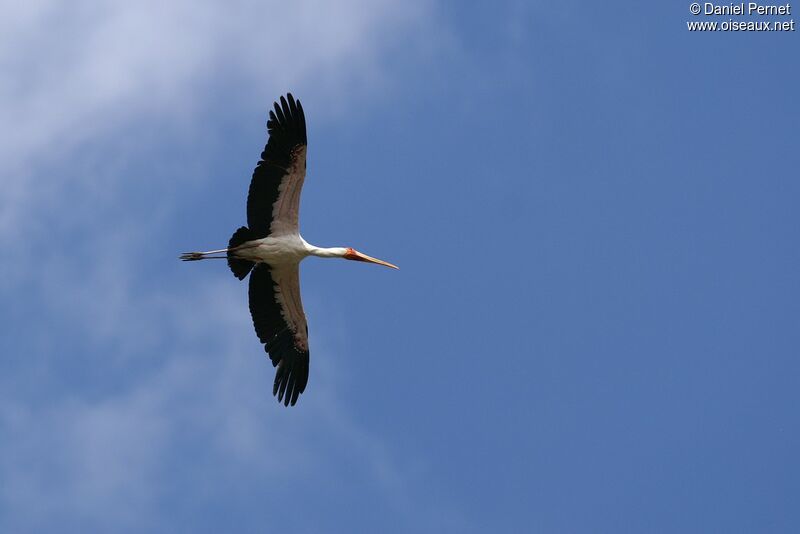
[(102, 460), (79, 71), (175, 365)]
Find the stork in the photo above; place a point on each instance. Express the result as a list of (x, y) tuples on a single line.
[(270, 249)]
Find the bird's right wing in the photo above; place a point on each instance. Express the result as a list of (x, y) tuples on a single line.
[(273, 201), (280, 324)]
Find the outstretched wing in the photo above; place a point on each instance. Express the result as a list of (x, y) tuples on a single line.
[(273, 201), (280, 324)]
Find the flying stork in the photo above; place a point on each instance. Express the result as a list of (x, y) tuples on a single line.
[(270, 249)]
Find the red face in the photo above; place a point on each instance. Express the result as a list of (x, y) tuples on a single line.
[(353, 254)]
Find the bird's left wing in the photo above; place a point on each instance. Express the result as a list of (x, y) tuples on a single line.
[(280, 324), (273, 201)]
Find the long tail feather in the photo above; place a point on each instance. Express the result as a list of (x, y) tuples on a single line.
[(195, 256)]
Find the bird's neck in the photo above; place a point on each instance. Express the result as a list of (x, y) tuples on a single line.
[(322, 252)]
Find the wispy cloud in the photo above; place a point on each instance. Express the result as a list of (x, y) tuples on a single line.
[(78, 72), (107, 457), (118, 392)]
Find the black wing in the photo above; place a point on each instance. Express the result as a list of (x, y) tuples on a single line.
[(280, 323), (273, 200)]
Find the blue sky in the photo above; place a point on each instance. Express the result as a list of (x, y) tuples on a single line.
[(595, 324)]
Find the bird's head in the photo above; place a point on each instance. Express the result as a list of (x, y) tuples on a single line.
[(353, 254)]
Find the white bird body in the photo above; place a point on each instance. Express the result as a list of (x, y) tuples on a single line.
[(286, 249), (270, 249)]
